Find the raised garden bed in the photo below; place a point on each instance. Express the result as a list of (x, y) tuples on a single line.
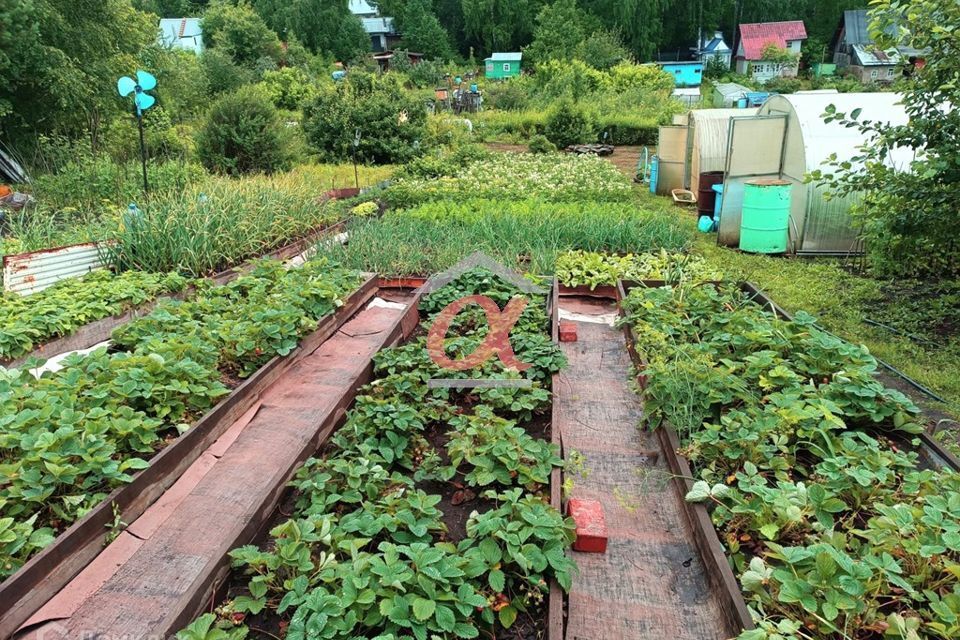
[(50, 569), (777, 578), (88, 334), (395, 515)]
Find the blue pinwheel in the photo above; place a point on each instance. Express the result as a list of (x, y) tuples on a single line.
[(143, 101), (139, 87)]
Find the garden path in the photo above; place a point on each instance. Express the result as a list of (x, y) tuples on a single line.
[(650, 583)]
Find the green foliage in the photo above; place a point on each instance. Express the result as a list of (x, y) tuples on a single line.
[(798, 446), (566, 178), (499, 25), (288, 88), (28, 321), (422, 31), (526, 234), (325, 27), (561, 28), (495, 450), (220, 223), (61, 77), (390, 122), (901, 211), (540, 144), (206, 627), (581, 268), (243, 134), (367, 554), (222, 74), (239, 31), (569, 124), (71, 436), (603, 50)]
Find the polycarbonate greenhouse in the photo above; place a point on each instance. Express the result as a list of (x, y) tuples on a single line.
[(787, 139)]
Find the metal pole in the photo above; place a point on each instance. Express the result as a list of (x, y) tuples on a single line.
[(143, 151)]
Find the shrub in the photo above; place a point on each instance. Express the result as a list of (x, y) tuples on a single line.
[(222, 73), (540, 144), (568, 124), (391, 125), (244, 134), (509, 96), (288, 88)]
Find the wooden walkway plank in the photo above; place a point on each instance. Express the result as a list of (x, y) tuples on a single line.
[(163, 581), (650, 583)]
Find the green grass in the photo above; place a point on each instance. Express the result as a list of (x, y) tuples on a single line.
[(840, 300), (525, 234)]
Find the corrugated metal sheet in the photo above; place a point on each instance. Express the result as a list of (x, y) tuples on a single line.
[(870, 56), (27, 273)]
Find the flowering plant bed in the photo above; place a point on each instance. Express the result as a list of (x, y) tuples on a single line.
[(428, 513), (807, 466), (166, 387)]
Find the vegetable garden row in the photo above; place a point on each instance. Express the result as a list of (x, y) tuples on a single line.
[(828, 508), (72, 436)]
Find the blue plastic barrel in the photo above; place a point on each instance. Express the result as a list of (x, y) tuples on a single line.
[(654, 173), (718, 202)]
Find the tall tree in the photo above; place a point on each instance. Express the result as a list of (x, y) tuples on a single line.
[(238, 30), (640, 22), (421, 30), (60, 60), (561, 27), (500, 25), (323, 26)]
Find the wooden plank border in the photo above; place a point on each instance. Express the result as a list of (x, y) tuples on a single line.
[(212, 587), (719, 574), (23, 593), (556, 600)]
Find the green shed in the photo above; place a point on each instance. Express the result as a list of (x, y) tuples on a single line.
[(503, 65)]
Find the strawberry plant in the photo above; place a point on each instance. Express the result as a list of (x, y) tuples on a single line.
[(497, 451), (68, 438), (28, 321), (367, 551), (805, 460)]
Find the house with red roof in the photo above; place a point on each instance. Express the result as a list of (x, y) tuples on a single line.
[(770, 49)]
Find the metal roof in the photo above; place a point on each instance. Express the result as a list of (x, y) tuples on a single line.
[(378, 25), (715, 45), (505, 56), (730, 89), (870, 56), (754, 37)]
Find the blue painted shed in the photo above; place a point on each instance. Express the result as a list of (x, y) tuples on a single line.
[(685, 73)]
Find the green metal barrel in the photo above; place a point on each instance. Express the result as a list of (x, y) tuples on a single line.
[(766, 216)]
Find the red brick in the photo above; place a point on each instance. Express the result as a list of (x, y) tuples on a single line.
[(591, 525), (568, 331)]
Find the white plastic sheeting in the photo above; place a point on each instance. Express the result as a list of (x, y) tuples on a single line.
[(817, 225), (710, 129)]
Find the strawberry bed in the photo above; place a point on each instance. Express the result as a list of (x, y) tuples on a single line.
[(427, 514), (70, 437), (833, 522)]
